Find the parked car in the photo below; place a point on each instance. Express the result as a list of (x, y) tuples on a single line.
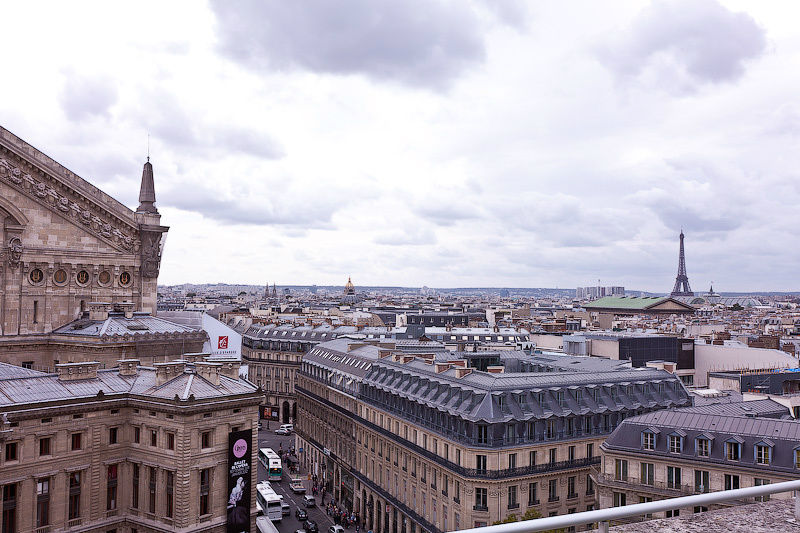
[(310, 526), (282, 431), (290, 427), (301, 514), (336, 529), (309, 501), (300, 531), (285, 509), (296, 484)]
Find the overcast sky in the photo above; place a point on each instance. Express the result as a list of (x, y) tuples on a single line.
[(417, 142)]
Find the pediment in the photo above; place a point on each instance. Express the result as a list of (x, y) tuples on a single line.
[(50, 185)]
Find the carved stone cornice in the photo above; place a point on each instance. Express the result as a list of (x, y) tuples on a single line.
[(68, 202)]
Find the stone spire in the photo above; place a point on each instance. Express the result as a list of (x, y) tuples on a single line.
[(147, 192)]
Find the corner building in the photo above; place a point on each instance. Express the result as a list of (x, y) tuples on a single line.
[(424, 442), (132, 449)]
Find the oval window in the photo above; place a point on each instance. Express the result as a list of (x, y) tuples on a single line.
[(36, 275), (104, 277), (82, 277), (125, 278), (60, 276)]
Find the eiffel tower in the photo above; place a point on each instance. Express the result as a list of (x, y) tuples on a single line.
[(682, 280)]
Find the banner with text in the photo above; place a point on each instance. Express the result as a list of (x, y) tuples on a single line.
[(240, 457)]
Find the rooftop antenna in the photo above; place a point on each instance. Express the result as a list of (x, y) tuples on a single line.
[(148, 147)]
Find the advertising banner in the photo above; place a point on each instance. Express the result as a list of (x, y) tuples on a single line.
[(240, 457), (269, 412)]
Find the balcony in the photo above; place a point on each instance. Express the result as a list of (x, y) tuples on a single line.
[(483, 508), (75, 522), (635, 483)]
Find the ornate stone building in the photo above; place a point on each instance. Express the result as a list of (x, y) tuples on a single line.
[(427, 442), (65, 246), (131, 449)]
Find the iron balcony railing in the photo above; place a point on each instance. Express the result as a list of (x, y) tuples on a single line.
[(467, 472), (602, 517)]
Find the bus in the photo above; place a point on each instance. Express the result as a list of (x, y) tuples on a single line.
[(269, 502), (272, 463)]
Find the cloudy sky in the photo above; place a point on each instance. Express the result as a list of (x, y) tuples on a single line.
[(419, 142)]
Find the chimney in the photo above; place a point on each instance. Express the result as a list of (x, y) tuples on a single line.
[(461, 372), (126, 307), (383, 354), (229, 368), (98, 310), (495, 369), (441, 367), (208, 371), (195, 357), (168, 371), (407, 358), (459, 362), (76, 371), (128, 367)]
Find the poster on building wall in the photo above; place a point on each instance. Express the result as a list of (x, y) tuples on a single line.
[(239, 470)]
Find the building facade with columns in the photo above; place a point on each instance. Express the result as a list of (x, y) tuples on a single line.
[(426, 442), (131, 449)]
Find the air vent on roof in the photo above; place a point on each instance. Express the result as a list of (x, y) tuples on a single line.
[(138, 327)]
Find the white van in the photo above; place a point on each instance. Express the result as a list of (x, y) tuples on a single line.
[(309, 501), (288, 427)]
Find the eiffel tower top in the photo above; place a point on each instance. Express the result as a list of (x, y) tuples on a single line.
[(681, 287)]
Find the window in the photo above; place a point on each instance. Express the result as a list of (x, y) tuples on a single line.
[(481, 499), (757, 482), (533, 497), (675, 444), (11, 451), (571, 487), (74, 503), (111, 488), (647, 471), (571, 453), (512, 460), (733, 451), (135, 487), (42, 502), (797, 458), (480, 463), (589, 485), (75, 441), (112, 435), (762, 454), (151, 488), (552, 494), (551, 429), (673, 477), (590, 450), (44, 446), (170, 441), (731, 481), (701, 483), (532, 457), (620, 499), (620, 469), (648, 440), (672, 513), (153, 437), (513, 503), (136, 435), (553, 455), (483, 434), (703, 447), (205, 439), (9, 522), (205, 480)]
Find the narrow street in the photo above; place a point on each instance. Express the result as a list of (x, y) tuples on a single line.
[(268, 439)]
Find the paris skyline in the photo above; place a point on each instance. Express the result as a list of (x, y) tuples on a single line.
[(506, 145)]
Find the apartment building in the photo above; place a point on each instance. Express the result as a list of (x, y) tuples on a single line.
[(678, 452), (426, 442), (131, 449)]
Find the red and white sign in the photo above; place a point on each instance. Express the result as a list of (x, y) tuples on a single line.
[(222, 344)]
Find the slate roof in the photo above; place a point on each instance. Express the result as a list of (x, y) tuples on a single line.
[(632, 303), (476, 396), (782, 434), (47, 387), (117, 325), (14, 371)]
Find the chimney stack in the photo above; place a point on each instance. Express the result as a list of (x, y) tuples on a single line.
[(442, 367), (128, 367), (229, 368), (208, 371), (461, 372), (168, 371), (98, 310), (126, 307), (76, 371), (495, 369)]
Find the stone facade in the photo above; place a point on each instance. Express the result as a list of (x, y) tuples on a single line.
[(129, 458)]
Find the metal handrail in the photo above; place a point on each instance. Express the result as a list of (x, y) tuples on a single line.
[(603, 516)]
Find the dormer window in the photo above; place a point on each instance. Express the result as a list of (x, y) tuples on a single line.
[(675, 443), (560, 397), (733, 450), (797, 458), (648, 440), (762, 452), (578, 396), (703, 447)]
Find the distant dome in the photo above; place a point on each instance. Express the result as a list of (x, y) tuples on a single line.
[(349, 288)]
